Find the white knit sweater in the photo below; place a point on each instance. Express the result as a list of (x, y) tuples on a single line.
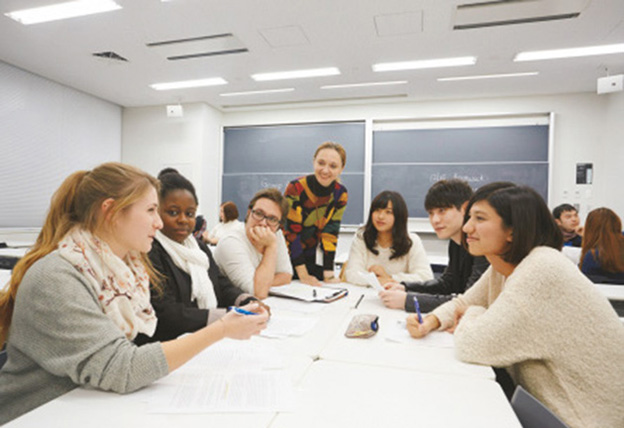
[(553, 331), (413, 266)]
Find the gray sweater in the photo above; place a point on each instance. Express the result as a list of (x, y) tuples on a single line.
[(60, 338)]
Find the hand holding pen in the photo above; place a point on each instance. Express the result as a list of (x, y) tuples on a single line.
[(244, 322)]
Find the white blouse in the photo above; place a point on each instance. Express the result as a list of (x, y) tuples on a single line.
[(413, 266)]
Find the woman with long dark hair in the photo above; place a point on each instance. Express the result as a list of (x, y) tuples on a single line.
[(385, 247), (602, 254)]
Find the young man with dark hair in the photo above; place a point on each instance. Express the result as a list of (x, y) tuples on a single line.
[(566, 217), (445, 202)]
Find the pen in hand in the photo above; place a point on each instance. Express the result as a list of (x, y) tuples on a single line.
[(417, 308), (241, 311)]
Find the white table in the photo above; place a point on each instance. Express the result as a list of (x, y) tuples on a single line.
[(360, 383), (379, 351), (335, 394), (611, 291)]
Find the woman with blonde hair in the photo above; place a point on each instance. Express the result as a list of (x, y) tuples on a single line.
[(602, 253), (316, 204), (79, 297)]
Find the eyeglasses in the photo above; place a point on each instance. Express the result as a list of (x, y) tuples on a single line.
[(259, 215)]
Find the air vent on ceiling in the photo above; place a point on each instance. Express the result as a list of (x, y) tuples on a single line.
[(511, 12), (197, 47), (110, 55)]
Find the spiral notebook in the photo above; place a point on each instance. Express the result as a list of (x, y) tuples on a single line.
[(308, 293)]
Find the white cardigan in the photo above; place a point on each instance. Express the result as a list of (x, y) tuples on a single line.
[(412, 266)]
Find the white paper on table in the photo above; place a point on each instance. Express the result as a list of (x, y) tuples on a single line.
[(280, 326), (278, 304), (230, 355), (265, 391), (371, 279), (397, 332)]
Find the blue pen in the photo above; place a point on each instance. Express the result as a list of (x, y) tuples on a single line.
[(417, 307), (241, 311)]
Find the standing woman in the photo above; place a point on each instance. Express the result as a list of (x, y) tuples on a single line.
[(602, 254), (385, 247), (534, 313), (316, 205), (80, 296), (228, 221), (193, 292)]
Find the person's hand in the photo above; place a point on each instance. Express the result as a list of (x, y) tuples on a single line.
[(378, 270), (310, 280), (460, 310), (393, 299), (264, 306), (383, 280), (330, 278), (415, 328), (262, 236), (393, 285), (579, 230), (239, 326)]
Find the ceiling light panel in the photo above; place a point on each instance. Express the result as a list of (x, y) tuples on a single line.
[(296, 74), (268, 91), (214, 81), (422, 64), (60, 11), (363, 85), (570, 53), (488, 76)]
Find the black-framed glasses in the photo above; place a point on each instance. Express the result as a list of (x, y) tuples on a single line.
[(259, 215)]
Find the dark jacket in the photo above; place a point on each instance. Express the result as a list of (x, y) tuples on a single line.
[(176, 313), (462, 271)]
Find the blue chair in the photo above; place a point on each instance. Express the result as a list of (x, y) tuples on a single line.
[(532, 413)]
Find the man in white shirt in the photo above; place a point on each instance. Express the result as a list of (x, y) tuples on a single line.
[(256, 258)]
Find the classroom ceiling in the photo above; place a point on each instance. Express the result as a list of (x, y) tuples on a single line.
[(281, 35)]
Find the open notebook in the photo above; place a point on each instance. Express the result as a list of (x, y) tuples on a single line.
[(308, 293)]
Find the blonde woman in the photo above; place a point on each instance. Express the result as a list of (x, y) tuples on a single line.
[(81, 295)]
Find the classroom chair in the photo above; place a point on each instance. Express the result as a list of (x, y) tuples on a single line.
[(3, 357), (532, 413)]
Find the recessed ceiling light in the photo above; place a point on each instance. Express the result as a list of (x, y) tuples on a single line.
[(268, 91), (189, 84), (59, 11), (488, 76), (570, 53), (296, 74), (361, 85), (428, 63)]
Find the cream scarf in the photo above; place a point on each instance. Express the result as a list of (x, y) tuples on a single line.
[(122, 286), (192, 260)]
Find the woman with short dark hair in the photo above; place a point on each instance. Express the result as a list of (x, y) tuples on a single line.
[(534, 313)]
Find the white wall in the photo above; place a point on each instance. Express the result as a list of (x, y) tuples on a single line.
[(191, 144), (587, 128), (47, 131)]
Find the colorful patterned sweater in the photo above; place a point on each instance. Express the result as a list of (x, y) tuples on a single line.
[(314, 216)]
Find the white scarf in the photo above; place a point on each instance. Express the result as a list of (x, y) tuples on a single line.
[(192, 260), (122, 286)]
